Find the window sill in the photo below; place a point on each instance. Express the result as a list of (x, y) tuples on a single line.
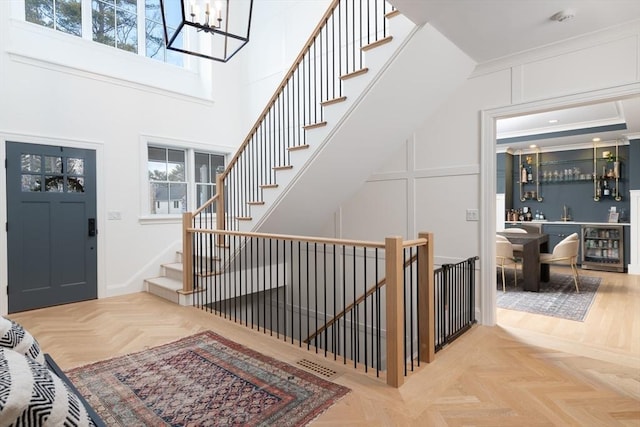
[(160, 219)]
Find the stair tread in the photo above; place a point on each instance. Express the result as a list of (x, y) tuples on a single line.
[(173, 265), (166, 282)]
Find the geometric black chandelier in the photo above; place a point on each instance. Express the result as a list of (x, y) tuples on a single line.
[(209, 29)]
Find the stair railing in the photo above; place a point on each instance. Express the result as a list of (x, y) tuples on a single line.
[(288, 286)]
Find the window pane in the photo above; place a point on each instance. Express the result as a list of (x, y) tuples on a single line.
[(31, 163), (155, 40), (75, 184), (217, 164), (39, 12), (176, 165), (75, 166), (157, 153), (53, 164), (127, 31), (157, 171), (167, 176), (208, 166), (104, 18), (202, 167), (157, 163), (204, 192), (159, 195), (69, 16), (178, 195), (54, 184), (31, 183)]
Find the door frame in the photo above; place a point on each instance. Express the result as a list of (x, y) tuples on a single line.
[(98, 147), (487, 313)]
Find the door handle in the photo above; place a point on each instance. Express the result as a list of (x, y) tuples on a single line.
[(92, 227)]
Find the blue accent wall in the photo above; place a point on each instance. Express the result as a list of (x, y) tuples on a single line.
[(576, 194), (634, 164)]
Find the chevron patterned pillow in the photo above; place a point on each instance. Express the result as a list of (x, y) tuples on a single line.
[(15, 337), (32, 395)]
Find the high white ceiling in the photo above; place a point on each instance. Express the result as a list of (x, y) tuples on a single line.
[(487, 30), (490, 29)]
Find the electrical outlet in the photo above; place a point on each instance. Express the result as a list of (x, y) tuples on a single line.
[(472, 214)]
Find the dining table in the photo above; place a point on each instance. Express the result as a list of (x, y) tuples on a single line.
[(532, 245)]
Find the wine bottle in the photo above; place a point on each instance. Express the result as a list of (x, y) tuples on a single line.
[(523, 174), (606, 191), (529, 175)]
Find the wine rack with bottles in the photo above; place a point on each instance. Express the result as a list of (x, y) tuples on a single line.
[(603, 247)]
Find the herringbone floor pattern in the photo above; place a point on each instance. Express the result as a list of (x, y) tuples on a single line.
[(530, 370)]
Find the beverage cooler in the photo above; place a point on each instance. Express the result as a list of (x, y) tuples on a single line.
[(603, 247)]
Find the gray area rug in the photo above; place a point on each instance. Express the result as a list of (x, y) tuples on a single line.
[(558, 298)]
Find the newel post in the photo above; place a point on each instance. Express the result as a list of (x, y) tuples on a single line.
[(426, 300), (187, 252), (220, 220), (220, 216), (394, 305)]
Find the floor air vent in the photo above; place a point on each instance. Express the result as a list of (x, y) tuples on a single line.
[(318, 369)]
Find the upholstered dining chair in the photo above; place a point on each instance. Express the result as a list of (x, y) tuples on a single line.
[(565, 253), (517, 248), (504, 257)]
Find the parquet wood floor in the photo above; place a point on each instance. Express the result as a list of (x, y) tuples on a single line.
[(529, 370)]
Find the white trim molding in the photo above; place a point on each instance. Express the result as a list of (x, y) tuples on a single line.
[(487, 287), (634, 256)]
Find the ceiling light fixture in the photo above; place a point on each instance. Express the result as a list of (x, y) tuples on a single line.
[(553, 121), (596, 139), (209, 29), (564, 15)]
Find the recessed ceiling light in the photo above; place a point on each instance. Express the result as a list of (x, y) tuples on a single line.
[(553, 121), (596, 139), (533, 146)]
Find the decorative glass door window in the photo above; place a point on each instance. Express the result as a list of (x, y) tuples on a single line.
[(59, 174)]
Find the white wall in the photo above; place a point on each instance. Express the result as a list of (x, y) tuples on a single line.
[(63, 90), (448, 164)]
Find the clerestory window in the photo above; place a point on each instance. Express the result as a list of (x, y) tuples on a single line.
[(61, 15), (131, 25)]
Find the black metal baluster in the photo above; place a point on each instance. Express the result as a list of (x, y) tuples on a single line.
[(364, 303), (378, 326)]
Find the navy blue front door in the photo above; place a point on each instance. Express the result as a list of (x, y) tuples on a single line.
[(51, 225)]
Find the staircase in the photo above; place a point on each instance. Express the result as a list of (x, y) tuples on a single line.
[(168, 284), (405, 76)]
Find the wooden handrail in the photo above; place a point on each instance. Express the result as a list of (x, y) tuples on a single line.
[(205, 204), (271, 102), (309, 239), (282, 85), (361, 298)]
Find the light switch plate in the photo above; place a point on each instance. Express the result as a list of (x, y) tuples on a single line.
[(472, 214)]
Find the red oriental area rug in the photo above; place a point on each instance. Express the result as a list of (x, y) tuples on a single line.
[(203, 380)]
